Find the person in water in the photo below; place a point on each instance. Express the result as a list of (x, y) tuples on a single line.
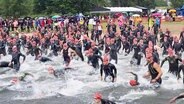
[(181, 68), (137, 50), (99, 100), (93, 58), (4, 64), (134, 82), (16, 58), (154, 70), (173, 62), (173, 100), (108, 69), (43, 59), (16, 80), (57, 73), (66, 55)]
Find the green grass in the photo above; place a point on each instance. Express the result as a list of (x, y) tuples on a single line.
[(174, 27)]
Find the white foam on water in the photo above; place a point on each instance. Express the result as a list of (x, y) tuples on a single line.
[(172, 83), (134, 95), (73, 87), (84, 79)]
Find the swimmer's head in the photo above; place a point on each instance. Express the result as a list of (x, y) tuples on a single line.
[(133, 82), (50, 70), (14, 48), (93, 44), (149, 58), (98, 95), (105, 60), (170, 52), (65, 46), (14, 80)]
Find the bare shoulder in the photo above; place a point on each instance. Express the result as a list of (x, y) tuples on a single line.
[(156, 65)]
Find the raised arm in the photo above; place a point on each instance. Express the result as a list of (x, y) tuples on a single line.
[(173, 100), (101, 70), (135, 75), (163, 62), (24, 57), (115, 70)]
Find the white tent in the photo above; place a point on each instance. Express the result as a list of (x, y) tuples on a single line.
[(136, 15), (124, 9)]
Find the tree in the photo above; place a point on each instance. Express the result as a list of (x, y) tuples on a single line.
[(39, 6), (161, 3), (128, 3), (148, 3), (177, 3), (14, 8)]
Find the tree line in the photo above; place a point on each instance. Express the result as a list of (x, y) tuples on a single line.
[(17, 8)]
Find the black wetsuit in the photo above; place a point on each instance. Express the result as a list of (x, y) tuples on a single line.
[(170, 40), (137, 54), (18, 44), (179, 97), (165, 45), (177, 48), (29, 47), (86, 45), (94, 60), (109, 70), (78, 49), (66, 56), (111, 34), (113, 53), (101, 44), (5, 64), (126, 46), (44, 59), (97, 51), (2, 48), (173, 64), (161, 37), (105, 101), (16, 60), (152, 38), (58, 73), (55, 47), (154, 73), (10, 45), (181, 67), (22, 78), (182, 39), (35, 52), (130, 39), (118, 43), (44, 47), (107, 48), (23, 40), (143, 48), (156, 57)]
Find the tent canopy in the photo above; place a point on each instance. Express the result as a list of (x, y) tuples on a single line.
[(114, 9), (143, 8), (98, 9), (182, 7), (124, 9)]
